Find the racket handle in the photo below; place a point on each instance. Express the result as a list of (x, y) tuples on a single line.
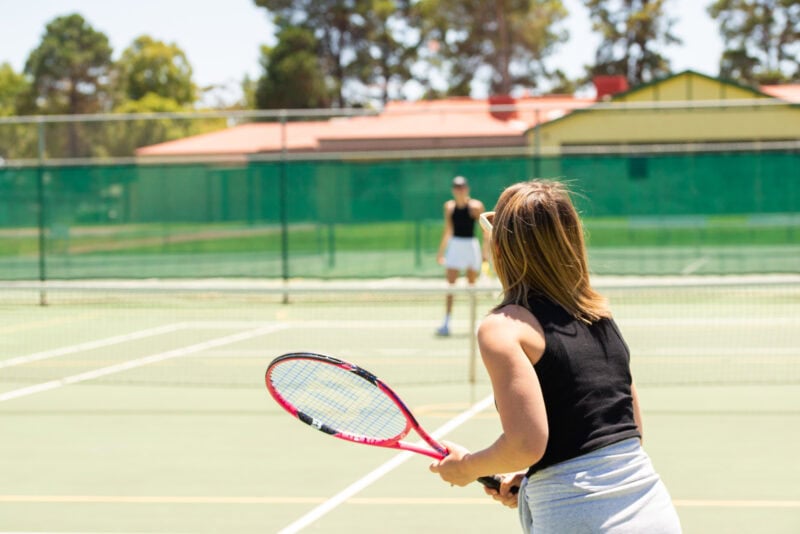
[(493, 482)]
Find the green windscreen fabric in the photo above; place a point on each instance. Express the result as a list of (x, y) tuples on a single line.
[(688, 213)]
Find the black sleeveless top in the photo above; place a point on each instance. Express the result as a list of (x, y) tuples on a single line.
[(463, 223), (585, 378)]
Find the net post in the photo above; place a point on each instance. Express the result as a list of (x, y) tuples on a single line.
[(473, 340), (284, 208), (41, 215)]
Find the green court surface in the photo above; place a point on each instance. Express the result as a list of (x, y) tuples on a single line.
[(146, 412)]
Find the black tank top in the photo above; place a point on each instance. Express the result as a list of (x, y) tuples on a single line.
[(463, 223), (585, 378)]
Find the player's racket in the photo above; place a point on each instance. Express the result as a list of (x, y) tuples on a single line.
[(347, 402)]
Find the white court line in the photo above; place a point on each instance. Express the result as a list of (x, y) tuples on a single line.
[(711, 321), (89, 345), (716, 503), (720, 352), (139, 362), (324, 323), (382, 354), (376, 474), (695, 265), (621, 319), (362, 501)]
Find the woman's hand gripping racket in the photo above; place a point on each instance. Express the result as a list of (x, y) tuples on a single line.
[(349, 403)]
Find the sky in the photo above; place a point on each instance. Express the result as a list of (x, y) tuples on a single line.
[(222, 43)]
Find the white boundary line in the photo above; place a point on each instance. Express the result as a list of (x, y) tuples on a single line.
[(425, 324), (70, 532), (719, 352), (363, 501), (695, 265), (206, 325), (376, 474), (139, 362), (90, 345), (739, 503), (328, 323), (624, 320)]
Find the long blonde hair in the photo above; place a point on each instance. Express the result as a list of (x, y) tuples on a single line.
[(539, 250)]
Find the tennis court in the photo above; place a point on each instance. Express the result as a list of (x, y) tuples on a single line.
[(141, 407)]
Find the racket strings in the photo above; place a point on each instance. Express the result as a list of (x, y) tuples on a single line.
[(338, 398)]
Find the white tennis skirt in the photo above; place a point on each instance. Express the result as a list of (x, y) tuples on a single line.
[(611, 490), (463, 253)]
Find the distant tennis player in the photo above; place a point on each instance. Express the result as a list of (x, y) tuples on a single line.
[(561, 377), (459, 249)]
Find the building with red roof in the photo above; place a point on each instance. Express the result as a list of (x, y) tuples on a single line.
[(441, 124), (548, 122)]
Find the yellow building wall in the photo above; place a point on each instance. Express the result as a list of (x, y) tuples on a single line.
[(655, 126), (688, 86)]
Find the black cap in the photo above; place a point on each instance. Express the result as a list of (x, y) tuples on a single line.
[(459, 181)]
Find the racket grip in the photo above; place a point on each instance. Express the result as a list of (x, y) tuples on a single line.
[(493, 482)]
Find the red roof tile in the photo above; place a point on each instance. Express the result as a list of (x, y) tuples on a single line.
[(447, 119), (243, 139), (789, 92)]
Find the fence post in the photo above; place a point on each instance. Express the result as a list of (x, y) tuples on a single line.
[(41, 215), (284, 208), (473, 340), (537, 146)]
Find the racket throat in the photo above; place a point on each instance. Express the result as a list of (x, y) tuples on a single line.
[(319, 425)]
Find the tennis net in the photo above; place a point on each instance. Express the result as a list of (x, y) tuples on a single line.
[(680, 331)]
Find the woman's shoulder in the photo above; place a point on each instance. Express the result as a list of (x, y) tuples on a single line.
[(476, 205), (515, 324), (511, 312)]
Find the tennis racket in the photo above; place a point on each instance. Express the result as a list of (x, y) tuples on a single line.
[(347, 402)]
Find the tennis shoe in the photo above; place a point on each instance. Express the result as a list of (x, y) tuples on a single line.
[(443, 331)]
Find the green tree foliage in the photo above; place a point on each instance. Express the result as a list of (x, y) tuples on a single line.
[(152, 77), (562, 84), (510, 38), (152, 66), (248, 86), (16, 140), (122, 138), (388, 58), (70, 70), (762, 40), (356, 40), (70, 67), (633, 31), (292, 74), (14, 91)]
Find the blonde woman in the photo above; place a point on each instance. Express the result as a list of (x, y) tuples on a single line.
[(562, 383)]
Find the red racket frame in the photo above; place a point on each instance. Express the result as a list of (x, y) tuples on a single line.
[(436, 450)]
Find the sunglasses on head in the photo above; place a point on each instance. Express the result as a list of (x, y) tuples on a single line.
[(486, 219)]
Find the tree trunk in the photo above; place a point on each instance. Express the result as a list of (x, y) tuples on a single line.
[(72, 127), (504, 49)]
